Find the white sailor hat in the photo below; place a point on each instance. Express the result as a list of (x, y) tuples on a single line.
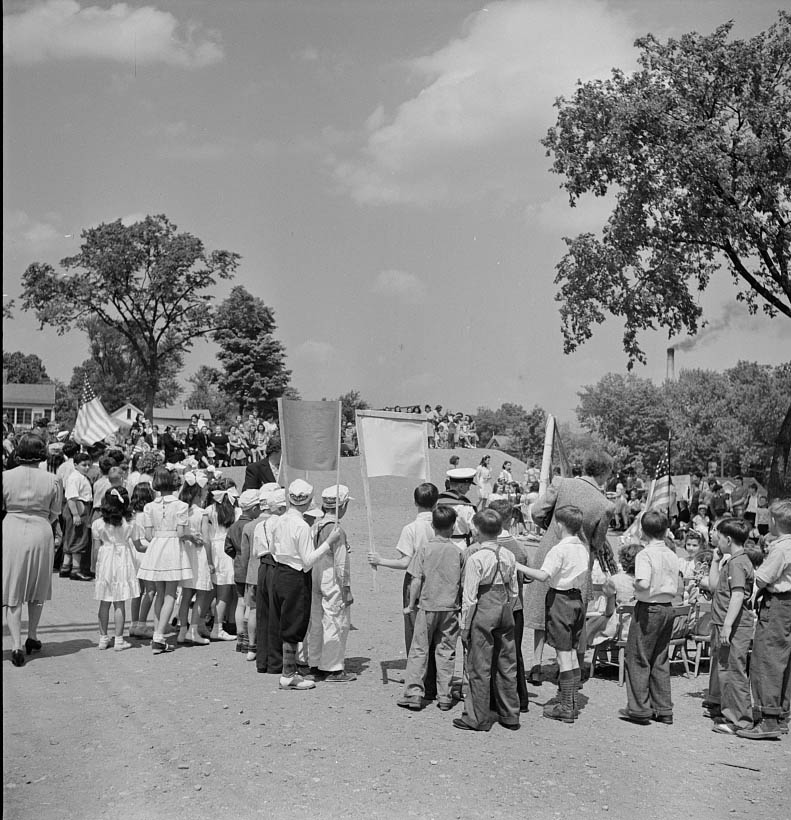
[(277, 498), (265, 490), (299, 492), (461, 474), (338, 492), (248, 499)]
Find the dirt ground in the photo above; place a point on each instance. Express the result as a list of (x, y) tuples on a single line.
[(199, 734)]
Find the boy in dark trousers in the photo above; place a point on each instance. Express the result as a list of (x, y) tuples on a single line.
[(770, 667), (435, 570), (489, 591), (657, 579), (731, 579)]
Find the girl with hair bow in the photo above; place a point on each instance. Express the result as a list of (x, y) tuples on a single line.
[(200, 587), (116, 570), (222, 512)]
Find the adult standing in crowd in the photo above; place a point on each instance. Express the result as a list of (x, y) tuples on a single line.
[(32, 501), (266, 470), (586, 493)]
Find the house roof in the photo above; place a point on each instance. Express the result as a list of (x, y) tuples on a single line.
[(28, 394), (124, 406), (499, 442), (176, 412)]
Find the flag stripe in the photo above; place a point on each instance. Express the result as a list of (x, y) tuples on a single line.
[(93, 423)]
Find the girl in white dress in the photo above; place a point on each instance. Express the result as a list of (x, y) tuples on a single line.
[(222, 513), (165, 561), (116, 571), (200, 586), (483, 480), (142, 494)]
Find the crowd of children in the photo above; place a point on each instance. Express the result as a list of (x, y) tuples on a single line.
[(184, 543)]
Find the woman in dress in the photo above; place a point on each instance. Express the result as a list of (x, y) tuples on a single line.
[(483, 481), (32, 501)]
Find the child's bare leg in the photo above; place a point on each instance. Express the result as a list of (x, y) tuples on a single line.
[(104, 617), (168, 600), (120, 617), (184, 612)]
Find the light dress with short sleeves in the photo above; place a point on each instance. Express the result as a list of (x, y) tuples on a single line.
[(116, 571), (223, 563), (198, 557), (166, 558)]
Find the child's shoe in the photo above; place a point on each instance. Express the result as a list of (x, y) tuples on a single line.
[(414, 705), (104, 641), (296, 682), (250, 655), (159, 645), (445, 705), (120, 644), (341, 676), (557, 711), (196, 638), (221, 635)]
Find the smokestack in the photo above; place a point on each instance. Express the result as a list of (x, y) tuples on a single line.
[(671, 364)]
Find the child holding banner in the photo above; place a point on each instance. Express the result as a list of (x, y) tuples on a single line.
[(332, 595)]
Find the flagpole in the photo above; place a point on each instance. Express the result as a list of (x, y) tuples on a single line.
[(283, 454), (545, 477), (366, 496), (338, 468)]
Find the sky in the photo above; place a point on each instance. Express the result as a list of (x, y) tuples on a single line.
[(376, 163)]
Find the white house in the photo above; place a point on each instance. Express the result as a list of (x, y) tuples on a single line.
[(126, 414)]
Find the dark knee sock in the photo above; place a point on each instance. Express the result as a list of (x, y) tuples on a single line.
[(289, 659)]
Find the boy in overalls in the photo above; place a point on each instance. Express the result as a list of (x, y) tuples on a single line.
[(489, 591)]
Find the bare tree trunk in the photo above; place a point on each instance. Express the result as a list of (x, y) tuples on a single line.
[(778, 472)]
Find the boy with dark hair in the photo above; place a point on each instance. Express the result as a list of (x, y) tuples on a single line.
[(657, 577), (504, 508), (435, 570), (413, 535), (489, 591), (770, 666), (731, 579), (77, 521), (565, 569)]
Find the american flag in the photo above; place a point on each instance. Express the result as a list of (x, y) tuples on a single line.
[(658, 497), (659, 494), (93, 422)]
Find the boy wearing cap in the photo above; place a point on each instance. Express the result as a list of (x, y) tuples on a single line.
[(253, 562), (459, 481), (331, 593), (435, 572), (291, 588), (268, 646), (248, 504)]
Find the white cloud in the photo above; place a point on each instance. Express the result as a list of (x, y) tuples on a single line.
[(486, 100), (22, 231), (63, 30), (312, 351), (405, 286)]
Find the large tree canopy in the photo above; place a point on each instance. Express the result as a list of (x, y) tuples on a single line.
[(728, 417), (255, 372), (696, 147), (24, 368), (146, 281), (115, 371)]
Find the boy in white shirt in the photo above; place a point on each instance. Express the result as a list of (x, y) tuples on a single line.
[(657, 581), (77, 521), (565, 569)]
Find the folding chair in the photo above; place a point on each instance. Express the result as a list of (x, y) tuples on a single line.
[(601, 651), (700, 634), (680, 635)]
